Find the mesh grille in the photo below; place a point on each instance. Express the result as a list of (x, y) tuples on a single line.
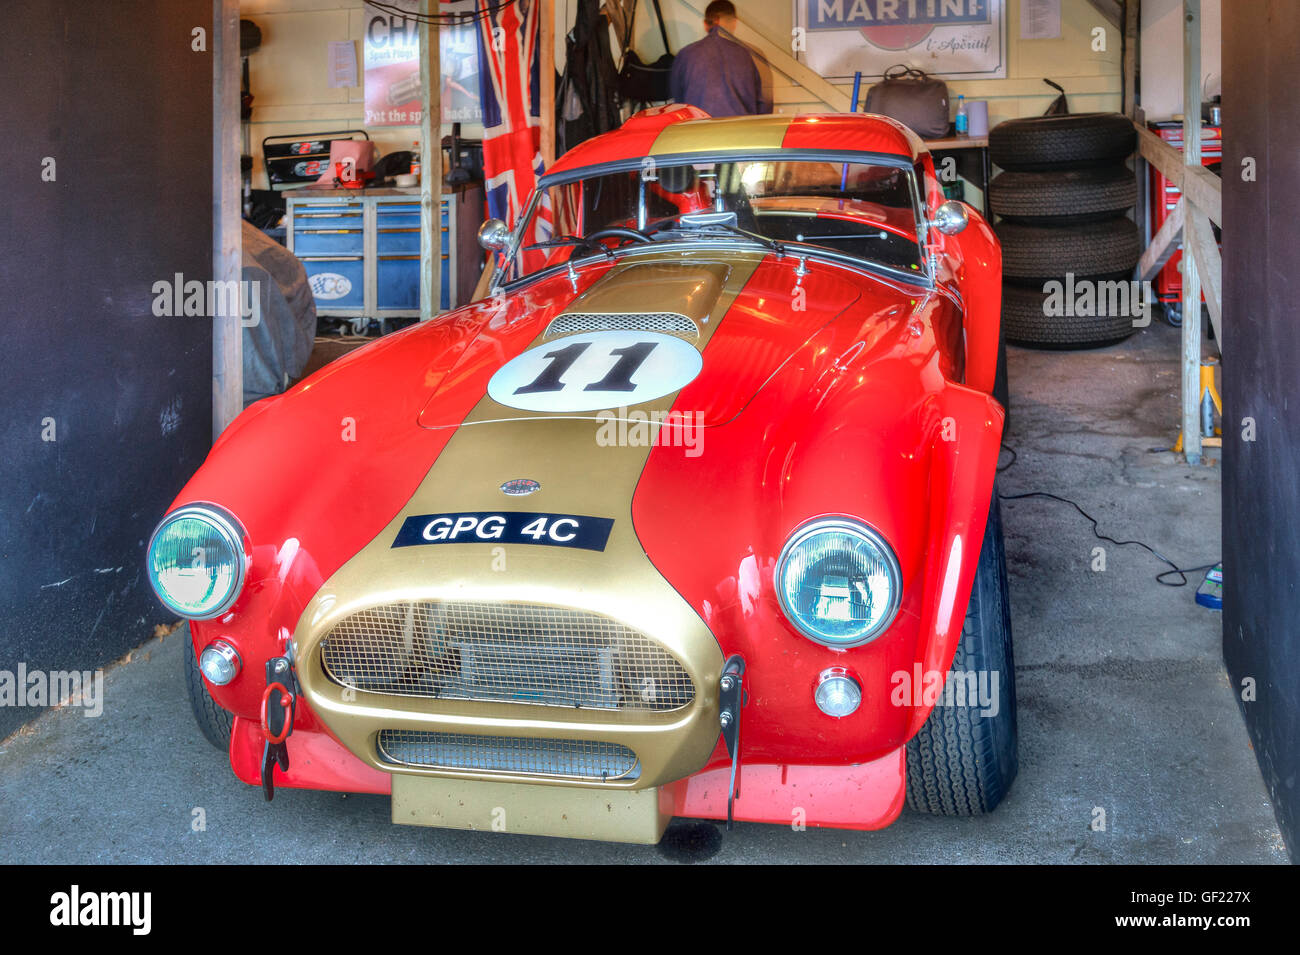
[(506, 653), (670, 323), (574, 758)]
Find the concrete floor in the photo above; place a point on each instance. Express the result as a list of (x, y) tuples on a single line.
[(1124, 702)]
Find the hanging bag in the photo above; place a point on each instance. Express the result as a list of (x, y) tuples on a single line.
[(642, 82)]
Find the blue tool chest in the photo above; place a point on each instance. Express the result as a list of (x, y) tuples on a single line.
[(362, 250)]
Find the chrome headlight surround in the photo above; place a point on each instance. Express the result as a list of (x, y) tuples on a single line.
[(228, 531), (805, 535)]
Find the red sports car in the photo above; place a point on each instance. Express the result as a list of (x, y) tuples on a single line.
[(693, 515)]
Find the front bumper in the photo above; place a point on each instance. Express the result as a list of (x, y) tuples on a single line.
[(866, 796)]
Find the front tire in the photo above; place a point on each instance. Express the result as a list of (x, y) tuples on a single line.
[(1001, 387), (214, 722), (962, 763)]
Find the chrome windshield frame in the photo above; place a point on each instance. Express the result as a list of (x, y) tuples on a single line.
[(922, 276)]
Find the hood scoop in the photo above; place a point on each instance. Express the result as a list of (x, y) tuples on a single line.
[(667, 323), (685, 293)]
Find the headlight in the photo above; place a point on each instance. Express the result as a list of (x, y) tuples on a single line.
[(196, 561), (838, 582)]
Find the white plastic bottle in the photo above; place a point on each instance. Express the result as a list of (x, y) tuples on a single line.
[(961, 122)]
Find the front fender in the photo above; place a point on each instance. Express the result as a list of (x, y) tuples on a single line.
[(963, 466), (864, 423)]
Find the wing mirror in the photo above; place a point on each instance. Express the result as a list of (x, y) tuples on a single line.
[(950, 218), (494, 235)]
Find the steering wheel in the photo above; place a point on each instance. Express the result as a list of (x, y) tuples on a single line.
[(618, 232)]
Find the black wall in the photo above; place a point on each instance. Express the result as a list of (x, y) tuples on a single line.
[(113, 93), (1261, 380)]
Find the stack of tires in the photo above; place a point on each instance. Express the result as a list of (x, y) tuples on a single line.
[(1062, 199)]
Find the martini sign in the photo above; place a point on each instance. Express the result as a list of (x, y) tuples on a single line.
[(952, 39)]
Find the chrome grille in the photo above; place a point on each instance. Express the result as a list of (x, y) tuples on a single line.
[(670, 323), (505, 653), (572, 758)]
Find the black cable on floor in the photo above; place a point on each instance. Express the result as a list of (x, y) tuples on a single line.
[(1182, 572)]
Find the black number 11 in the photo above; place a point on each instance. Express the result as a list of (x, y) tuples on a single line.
[(618, 378)]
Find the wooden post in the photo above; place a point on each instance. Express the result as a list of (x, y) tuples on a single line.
[(1191, 362), (546, 13), (1132, 37), (227, 242), (430, 165)]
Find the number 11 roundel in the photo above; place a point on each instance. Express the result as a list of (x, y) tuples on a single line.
[(595, 370)]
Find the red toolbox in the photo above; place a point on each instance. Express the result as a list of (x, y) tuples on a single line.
[(1165, 195)]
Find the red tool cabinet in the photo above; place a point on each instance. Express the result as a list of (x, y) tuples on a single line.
[(1165, 195)]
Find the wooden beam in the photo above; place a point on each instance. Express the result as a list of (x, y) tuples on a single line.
[(1205, 191), (1163, 245), (1191, 350), (1132, 39), (1209, 266), (227, 238), (1201, 187), (779, 58), (484, 282), (1112, 10), (546, 39), (430, 166)]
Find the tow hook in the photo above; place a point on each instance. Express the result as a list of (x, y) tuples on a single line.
[(279, 701), (731, 697)]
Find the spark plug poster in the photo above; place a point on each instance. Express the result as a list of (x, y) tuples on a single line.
[(952, 39), (392, 65)]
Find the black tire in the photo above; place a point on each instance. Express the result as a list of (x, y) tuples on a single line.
[(962, 763), (1061, 198), (1032, 254), (214, 722), (1025, 322), (1001, 388), (1061, 142)]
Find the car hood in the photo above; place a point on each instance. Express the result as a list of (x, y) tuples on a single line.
[(745, 313)]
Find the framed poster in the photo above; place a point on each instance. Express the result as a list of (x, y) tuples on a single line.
[(952, 39), (392, 64)]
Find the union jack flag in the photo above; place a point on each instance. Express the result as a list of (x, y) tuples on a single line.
[(510, 81)]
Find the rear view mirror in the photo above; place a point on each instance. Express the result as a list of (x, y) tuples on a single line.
[(950, 218), (494, 235)]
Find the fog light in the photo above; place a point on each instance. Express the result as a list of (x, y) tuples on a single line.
[(837, 693), (219, 663)]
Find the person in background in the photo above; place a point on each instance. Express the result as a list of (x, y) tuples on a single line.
[(718, 74)]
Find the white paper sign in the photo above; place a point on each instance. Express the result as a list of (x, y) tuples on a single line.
[(952, 39), (342, 64), (1040, 19)]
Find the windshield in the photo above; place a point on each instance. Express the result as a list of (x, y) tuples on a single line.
[(865, 210)]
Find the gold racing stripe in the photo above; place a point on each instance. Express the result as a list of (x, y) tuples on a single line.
[(577, 476), (739, 133)]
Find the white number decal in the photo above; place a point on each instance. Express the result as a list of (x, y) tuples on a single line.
[(596, 370)]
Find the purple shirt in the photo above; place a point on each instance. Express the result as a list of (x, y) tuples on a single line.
[(718, 75)]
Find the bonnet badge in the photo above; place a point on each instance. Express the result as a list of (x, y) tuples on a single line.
[(518, 487)]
